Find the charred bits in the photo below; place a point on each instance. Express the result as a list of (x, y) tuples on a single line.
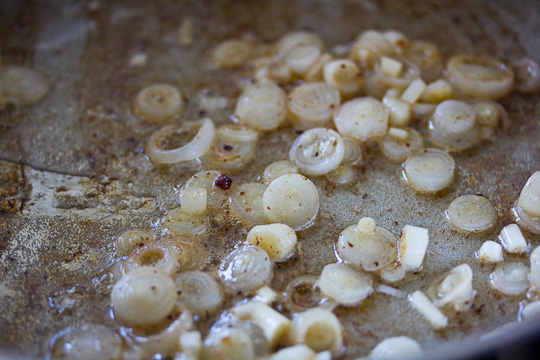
[(223, 182)]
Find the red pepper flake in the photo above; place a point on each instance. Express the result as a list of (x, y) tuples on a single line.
[(223, 182)]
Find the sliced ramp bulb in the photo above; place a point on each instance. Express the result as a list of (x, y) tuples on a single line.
[(180, 222), (301, 58), (91, 342), (317, 151), (353, 152), (159, 102), (160, 255), (193, 200), (22, 85), (527, 75), (159, 153), (296, 39), (453, 125), (535, 267), (427, 56), (143, 297), (396, 348), (199, 292), (319, 329), (207, 179), (345, 285), (366, 245), (437, 92), (413, 92), (246, 268), (228, 344), (278, 168), (343, 75), (511, 278), (312, 105), (530, 311), (429, 170), (291, 199), (397, 149), (399, 111), (279, 240), (490, 251), (471, 213), (528, 205), (361, 118), (131, 240), (455, 288), (512, 239), (262, 106), (296, 352), (232, 53), (431, 313), (413, 245), (480, 76), (247, 202)]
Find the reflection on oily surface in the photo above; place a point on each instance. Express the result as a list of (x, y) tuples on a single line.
[(75, 176)]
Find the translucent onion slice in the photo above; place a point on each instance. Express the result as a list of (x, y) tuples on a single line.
[(91, 341), (317, 151), (200, 143), (398, 149), (295, 39), (194, 200), (453, 125), (297, 352), (454, 287), (429, 170), (480, 76), (312, 105), (262, 106), (396, 348), (278, 240), (529, 198), (393, 272), (232, 53), (489, 113), (530, 311), (207, 179), (234, 146), (527, 75), (343, 174), (144, 296), (399, 111), (368, 247), (437, 92), (409, 73), (130, 240), (315, 71), (303, 293), (291, 199), (190, 253), (353, 152), (535, 267), (510, 278), (159, 255), (247, 202), (361, 118), (23, 85), (278, 168), (302, 57), (178, 221), (369, 47), (345, 285), (227, 344), (427, 57), (344, 76), (199, 292), (319, 329), (471, 213), (245, 268), (159, 102)]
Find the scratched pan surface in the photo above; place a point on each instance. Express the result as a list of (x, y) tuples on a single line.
[(73, 174)]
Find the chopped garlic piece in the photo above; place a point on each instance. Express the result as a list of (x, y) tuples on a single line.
[(266, 294), (490, 251), (413, 92), (398, 110), (191, 343), (194, 200), (512, 239), (413, 246), (391, 67), (425, 307)]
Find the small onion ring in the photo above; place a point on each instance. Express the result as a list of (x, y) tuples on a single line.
[(317, 151), (429, 170), (195, 148), (472, 213), (510, 278), (527, 75)]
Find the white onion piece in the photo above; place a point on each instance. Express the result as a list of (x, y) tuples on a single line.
[(228, 344), (344, 76), (315, 71), (23, 85), (193, 200), (407, 76), (399, 111), (273, 324), (247, 202), (471, 213), (393, 272), (413, 245), (303, 293), (207, 179), (319, 329), (278, 240), (530, 311), (480, 76), (245, 268), (455, 288), (198, 291), (200, 143), (512, 239), (291, 199), (345, 285), (343, 174), (490, 251), (391, 67), (262, 106), (234, 146), (453, 126), (527, 75), (191, 254), (361, 118), (396, 149), (370, 248), (437, 92), (312, 105), (159, 255), (431, 313), (130, 240), (396, 348), (89, 342), (301, 58), (232, 53), (429, 170), (296, 39), (317, 151), (535, 267), (353, 152), (422, 111), (145, 296), (529, 198), (488, 113), (278, 168), (181, 222), (369, 47), (427, 57), (398, 39), (191, 344), (510, 278), (266, 295), (296, 352), (159, 102)]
